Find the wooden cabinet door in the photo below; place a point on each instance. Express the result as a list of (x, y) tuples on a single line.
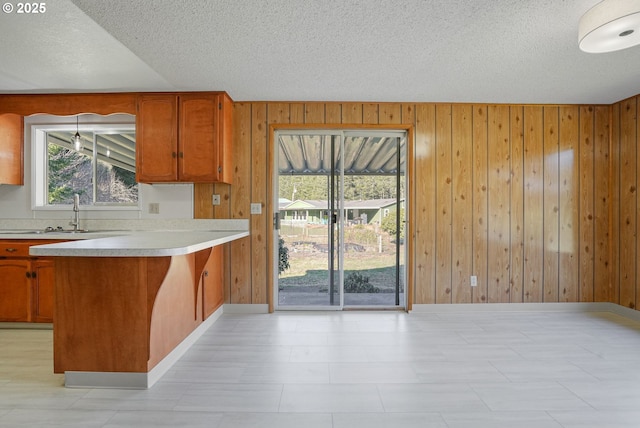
[(156, 139), (11, 149), (212, 282), (42, 286), (198, 151), (15, 293)]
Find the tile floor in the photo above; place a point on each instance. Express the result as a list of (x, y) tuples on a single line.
[(357, 369)]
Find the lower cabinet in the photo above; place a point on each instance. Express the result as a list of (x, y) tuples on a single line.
[(26, 284), (212, 282), (42, 286), (15, 290)]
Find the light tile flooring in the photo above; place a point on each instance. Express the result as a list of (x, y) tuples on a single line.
[(357, 369)]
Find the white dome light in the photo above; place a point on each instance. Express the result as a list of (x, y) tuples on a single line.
[(609, 26)]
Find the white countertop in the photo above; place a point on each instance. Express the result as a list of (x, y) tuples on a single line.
[(126, 238), (131, 243)]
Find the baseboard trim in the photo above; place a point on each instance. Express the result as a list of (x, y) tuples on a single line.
[(236, 308), (624, 311), (137, 380), (524, 307), (26, 325)]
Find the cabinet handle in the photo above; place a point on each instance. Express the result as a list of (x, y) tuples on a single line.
[(206, 273), (219, 170), (33, 274), (28, 274), (11, 250), (181, 155), (174, 155)]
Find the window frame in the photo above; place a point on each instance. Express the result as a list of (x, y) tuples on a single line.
[(39, 165)]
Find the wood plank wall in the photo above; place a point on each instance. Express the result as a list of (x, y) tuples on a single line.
[(518, 195), (625, 206)]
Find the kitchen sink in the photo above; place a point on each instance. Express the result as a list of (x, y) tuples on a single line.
[(20, 232), (41, 231)]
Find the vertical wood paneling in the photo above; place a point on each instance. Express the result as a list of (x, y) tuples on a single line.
[(551, 204), (462, 209), (443, 203), (297, 113), (240, 268), (333, 113), (520, 196), (202, 207), (516, 263), (636, 140), (259, 222), (408, 114), (569, 242), (480, 203), (499, 190), (370, 114), (352, 113), (635, 101), (314, 113), (614, 220), (587, 246), (533, 204), (604, 208), (390, 113), (628, 203), (425, 201)]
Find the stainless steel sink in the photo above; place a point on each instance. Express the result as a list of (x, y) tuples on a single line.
[(41, 231), (20, 232)]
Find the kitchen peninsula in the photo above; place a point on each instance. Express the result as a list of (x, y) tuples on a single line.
[(129, 304)]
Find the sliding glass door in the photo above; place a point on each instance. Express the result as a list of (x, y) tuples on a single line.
[(340, 219)]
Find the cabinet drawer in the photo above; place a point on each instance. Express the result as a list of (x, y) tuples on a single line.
[(20, 247), (14, 248)]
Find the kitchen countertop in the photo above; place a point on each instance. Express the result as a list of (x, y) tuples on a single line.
[(126, 238), (136, 243)]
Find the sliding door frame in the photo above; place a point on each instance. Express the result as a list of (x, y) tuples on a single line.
[(272, 207)]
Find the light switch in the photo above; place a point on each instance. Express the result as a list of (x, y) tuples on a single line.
[(154, 208), (256, 208), (215, 200)]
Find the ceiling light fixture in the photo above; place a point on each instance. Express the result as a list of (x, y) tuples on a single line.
[(77, 141), (609, 26)]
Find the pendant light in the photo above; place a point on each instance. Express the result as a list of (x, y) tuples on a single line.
[(77, 141), (609, 26)]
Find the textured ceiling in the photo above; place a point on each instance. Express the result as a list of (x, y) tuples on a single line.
[(502, 51)]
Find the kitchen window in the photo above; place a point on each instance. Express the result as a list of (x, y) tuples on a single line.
[(101, 169)]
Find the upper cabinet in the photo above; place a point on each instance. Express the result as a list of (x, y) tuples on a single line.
[(11, 149), (184, 138)]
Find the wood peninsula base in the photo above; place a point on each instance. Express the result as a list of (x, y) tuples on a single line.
[(121, 322)]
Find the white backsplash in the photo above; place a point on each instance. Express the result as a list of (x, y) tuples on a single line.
[(132, 224)]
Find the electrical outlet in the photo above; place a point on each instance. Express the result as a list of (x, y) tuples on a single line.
[(154, 208), (474, 281), (215, 199), (256, 208)]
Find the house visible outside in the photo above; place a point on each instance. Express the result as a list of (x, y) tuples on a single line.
[(371, 211)]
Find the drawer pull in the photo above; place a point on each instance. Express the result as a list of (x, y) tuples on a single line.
[(28, 274), (11, 250)]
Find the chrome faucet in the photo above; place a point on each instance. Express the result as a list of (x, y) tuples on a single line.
[(76, 213)]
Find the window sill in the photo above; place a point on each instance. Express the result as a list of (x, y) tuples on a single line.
[(87, 208)]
